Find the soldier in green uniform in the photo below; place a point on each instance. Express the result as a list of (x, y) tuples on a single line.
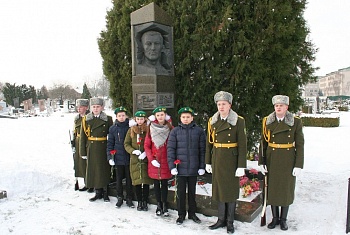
[(82, 106), (225, 158), (283, 148), (93, 145)]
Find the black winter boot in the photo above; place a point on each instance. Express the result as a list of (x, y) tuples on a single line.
[(139, 206), (105, 195), (98, 195), (129, 203), (165, 209), (144, 206), (119, 202), (284, 213), (275, 220), (159, 210), (230, 228)]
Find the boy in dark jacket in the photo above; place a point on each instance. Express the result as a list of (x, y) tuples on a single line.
[(186, 159), (120, 159)]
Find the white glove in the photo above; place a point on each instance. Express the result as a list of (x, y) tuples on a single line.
[(208, 168), (142, 156), (296, 171), (201, 172), (155, 163), (84, 157), (240, 172), (174, 171), (136, 152), (263, 169), (111, 162), (152, 118), (132, 122), (73, 149)]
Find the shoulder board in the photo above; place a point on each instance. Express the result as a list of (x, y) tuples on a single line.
[(241, 117), (297, 117)]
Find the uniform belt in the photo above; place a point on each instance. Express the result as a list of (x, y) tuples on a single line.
[(281, 146), (97, 138), (228, 145), (78, 135)]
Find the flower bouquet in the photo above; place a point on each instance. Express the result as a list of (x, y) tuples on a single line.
[(249, 186)]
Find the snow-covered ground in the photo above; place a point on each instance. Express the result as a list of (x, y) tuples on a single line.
[(36, 170)]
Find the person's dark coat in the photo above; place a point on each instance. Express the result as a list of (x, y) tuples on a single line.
[(225, 161), (187, 144), (98, 170), (281, 161), (116, 137), (138, 168), (79, 163)]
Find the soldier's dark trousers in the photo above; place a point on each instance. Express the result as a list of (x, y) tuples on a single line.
[(188, 182), (123, 171)]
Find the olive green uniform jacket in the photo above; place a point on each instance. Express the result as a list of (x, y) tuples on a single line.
[(138, 168), (98, 169), (79, 163), (225, 161), (281, 161)]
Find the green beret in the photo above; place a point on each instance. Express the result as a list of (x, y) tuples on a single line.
[(159, 109), (120, 109), (186, 110), (140, 114)]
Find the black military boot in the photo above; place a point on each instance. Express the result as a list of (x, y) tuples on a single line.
[(76, 186), (284, 213), (90, 190), (275, 220), (219, 224), (144, 206), (105, 195), (119, 202), (98, 195), (159, 210), (165, 209)]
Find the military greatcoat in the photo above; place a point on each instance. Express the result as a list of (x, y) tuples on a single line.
[(281, 161), (93, 144), (138, 168), (226, 160), (79, 163)]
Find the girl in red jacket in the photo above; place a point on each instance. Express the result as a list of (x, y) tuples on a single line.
[(156, 151)]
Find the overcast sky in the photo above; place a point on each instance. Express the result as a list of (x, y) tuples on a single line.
[(43, 42)]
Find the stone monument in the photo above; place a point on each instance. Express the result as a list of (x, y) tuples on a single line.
[(153, 81)]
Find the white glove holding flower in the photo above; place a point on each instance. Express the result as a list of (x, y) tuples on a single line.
[(208, 168), (136, 152), (84, 157), (263, 169), (174, 171), (142, 156), (111, 162), (296, 171), (201, 172), (155, 163), (240, 172)]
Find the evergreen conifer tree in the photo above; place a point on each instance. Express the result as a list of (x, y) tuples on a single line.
[(86, 93)]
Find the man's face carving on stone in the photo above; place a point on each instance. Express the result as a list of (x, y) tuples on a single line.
[(152, 44)]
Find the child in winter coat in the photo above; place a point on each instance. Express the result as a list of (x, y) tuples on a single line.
[(121, 158), (155, 147), (186, 159), (133, 144)]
